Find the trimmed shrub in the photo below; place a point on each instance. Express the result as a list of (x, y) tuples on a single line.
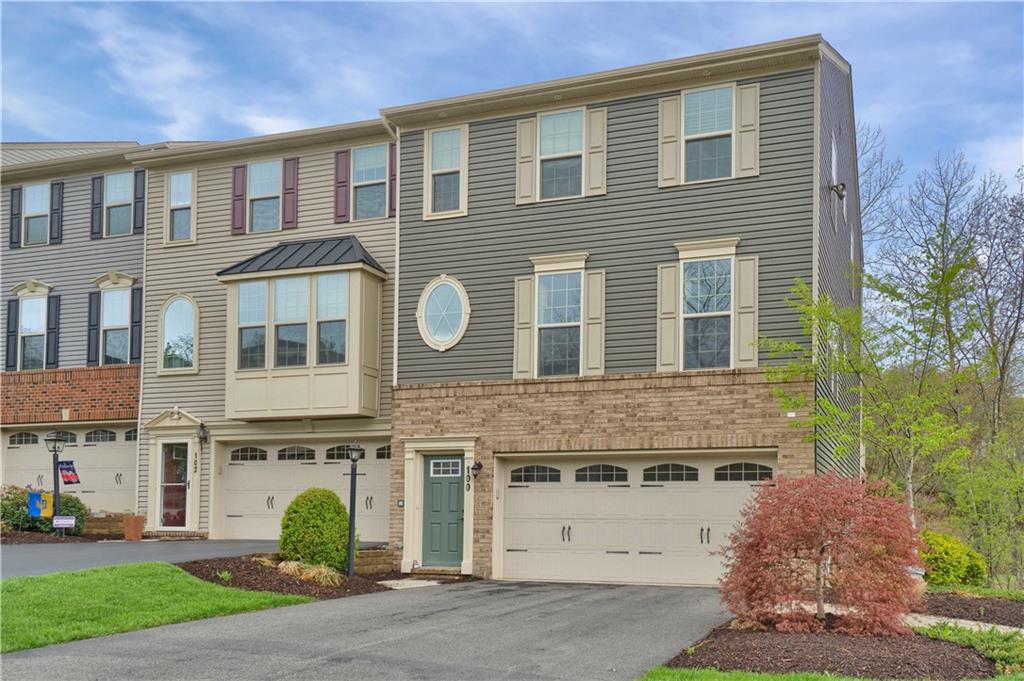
[(951, 562), (314, 529), (804, 539), (14, 511)]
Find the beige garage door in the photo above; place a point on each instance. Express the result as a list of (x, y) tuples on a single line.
[(104, 458), (650, 520), (262, 479)]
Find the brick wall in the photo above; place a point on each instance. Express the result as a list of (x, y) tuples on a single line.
[(106, 393), (709, 410)]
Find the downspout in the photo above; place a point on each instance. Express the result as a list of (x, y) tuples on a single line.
[(396, 134)]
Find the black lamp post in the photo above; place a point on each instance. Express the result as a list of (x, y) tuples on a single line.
[(355, 452), (55, 441)]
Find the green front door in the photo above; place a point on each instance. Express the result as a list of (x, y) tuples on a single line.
[(442, 511)]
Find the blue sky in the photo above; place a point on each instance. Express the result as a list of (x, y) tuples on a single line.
[(934, 76)]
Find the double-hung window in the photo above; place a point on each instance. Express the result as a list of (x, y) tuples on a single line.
[(708, 134), (252, 325), (370, 182), (559, 314), (331, 317), (37, 214), (291, 317), (32, 332), (115, 320), (446, 151), (179, 206), (707, 313), (117, 203), (265, 196), (561, 154)]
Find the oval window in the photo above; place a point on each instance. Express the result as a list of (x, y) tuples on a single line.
[(443, 313)]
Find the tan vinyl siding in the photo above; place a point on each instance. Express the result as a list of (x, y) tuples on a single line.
[(192, 269), (628, 232), (834, 266), (70, 267)]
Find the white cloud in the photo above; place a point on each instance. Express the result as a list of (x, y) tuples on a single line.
[(1000, 153)]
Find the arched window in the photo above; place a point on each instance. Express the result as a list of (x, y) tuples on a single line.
[(340, 453), (384, 452), (96, 436), (536, 474), (69, 437), (131, 435), (23, 439), (743, 472), (178, 335), (443, 313), (296, 453), (248, 454), (670, 472), (601, 472)]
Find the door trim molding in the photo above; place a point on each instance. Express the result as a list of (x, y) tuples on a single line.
[(416, 449)]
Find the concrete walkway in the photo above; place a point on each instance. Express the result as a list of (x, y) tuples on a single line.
[(474, 631)]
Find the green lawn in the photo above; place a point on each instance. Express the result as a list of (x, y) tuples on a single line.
[(68, 606), (988, 592)]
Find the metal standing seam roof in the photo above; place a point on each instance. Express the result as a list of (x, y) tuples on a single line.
[(293, 255)]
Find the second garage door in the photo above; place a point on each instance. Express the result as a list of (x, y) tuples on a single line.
[(262, 479), (650, 520)]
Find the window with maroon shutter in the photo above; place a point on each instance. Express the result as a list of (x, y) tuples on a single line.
[(290, 194), (238, 187), (341, 184)]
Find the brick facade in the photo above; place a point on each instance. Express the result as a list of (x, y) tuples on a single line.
[(673, 411), (105, 393)]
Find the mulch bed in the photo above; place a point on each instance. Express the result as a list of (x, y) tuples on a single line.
[(21, 537), (990, 610), (880, 657), (252, 576)]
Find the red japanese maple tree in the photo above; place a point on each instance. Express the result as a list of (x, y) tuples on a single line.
[(804, 542)]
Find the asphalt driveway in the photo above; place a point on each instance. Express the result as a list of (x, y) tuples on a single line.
[(475, 630)]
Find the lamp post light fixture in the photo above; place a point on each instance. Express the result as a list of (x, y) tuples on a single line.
[(55, 442), (355, 452), (476, 468)]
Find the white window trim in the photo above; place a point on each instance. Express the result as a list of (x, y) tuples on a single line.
[(253, 325), (429, 172), (194, 369), (353, 184), (21, 301), (25, 215), (313, 352), (103, 329), (421, 308), (536, 317), (130, 203), (695, 251), (190, 473), (249, 197), (439, 464), (582, 153), (684, 138), (192, 208)]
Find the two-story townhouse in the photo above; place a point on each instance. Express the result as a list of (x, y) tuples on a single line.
[(587, 266), (71, 281), (269, 308)]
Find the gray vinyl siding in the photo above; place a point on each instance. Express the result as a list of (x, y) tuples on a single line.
[(835, 268), (70, 267), (191, 269), (628, 232)]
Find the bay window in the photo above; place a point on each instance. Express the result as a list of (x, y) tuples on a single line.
[(291, 316), (331, 317), (252, 325)]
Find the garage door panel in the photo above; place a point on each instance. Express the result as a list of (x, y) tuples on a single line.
[(544, 533)]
